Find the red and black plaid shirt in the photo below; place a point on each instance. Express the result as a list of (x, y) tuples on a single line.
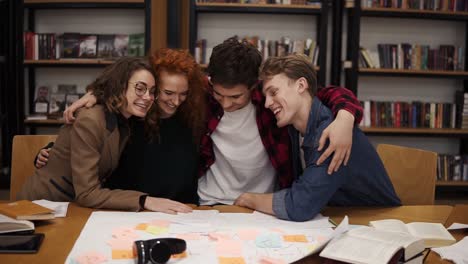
[(275, 140)]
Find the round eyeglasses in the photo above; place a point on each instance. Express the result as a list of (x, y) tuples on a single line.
[(141, 88)]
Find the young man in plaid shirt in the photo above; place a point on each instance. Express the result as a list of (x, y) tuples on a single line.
[(243, 150)]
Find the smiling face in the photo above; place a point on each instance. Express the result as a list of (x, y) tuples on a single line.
[(173, 91), (283, 98), (232, 98), (139, 105)]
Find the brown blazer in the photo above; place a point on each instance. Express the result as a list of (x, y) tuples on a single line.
[(83, 156)]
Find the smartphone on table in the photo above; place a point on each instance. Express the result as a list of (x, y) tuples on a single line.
[(21, 243)]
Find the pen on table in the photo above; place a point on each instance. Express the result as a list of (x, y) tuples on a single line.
[(332, 222)]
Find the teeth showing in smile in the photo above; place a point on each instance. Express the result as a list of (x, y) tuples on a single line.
[(144, 106), (276, 110)]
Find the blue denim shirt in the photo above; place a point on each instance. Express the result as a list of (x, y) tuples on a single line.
[(363, 182)]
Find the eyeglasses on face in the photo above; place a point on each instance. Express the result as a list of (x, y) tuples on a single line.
[(141, 88)]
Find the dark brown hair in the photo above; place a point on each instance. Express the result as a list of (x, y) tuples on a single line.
[(234, 62), (294, 66), (193, 109)]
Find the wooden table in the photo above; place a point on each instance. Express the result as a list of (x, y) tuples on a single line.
[(62, 233)]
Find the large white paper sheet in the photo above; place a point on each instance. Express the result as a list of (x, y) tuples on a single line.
[(211, 237)]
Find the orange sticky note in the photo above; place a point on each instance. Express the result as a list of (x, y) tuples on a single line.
[(92, 257), (295, 238), (237, 260), (122, 254), (179, 256), (268, 260), (141, 227)]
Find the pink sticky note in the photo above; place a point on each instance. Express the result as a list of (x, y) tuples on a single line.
[(218, 236), (120, 243), (248, 234), (229, 248), (124, 233), (189, 236), (268, 260), (277, 230), (91, 257), (320, 239), (161, 223)]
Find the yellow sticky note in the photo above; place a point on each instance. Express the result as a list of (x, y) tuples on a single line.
[(311, 247), (156, 230), (122, 254), (179, 256), (295, 238), (236, 260), (141, 227)]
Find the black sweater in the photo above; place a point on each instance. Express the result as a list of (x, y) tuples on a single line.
[(164, 167)]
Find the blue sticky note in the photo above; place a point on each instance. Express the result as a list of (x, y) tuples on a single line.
[(269, 240)]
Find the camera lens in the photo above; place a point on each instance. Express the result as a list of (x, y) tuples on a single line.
[(160, 252)]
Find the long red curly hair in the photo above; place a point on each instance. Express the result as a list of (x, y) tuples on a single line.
[(193, 109)]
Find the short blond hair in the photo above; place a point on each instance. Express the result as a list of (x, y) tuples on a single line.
[(294, 66)]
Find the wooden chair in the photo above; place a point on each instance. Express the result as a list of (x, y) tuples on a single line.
[(25, 149), (413, 173)]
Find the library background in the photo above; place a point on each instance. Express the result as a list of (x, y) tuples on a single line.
[(405, 60)]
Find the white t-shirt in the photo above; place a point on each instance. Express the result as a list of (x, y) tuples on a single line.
[(242, 163)]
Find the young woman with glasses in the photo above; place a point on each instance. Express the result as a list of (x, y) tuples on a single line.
[(86, 152), (161, 157)]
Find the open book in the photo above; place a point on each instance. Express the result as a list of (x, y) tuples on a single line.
[(433, 234), (370, 245), (26, 210), (10, 225)]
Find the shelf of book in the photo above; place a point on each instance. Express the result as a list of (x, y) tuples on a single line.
[(45, 122), (415, 73), (49, 4), (257, 8), (415, 131), (413, 13), (451, 183), (72, 62)]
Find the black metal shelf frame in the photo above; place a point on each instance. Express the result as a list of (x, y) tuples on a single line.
[(322, 24)]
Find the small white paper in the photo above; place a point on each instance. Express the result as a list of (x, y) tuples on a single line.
[(60, 208), (456, 226), (456, 252)]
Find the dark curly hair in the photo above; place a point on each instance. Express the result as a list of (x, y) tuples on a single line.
[(234, 62), (192, 110), (110, 87)]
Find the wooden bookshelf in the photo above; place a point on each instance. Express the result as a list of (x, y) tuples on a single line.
[(257, 8), (279, 6), (427, 73), (45, 122), (415, 131), (61, 62), (451, 183)]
